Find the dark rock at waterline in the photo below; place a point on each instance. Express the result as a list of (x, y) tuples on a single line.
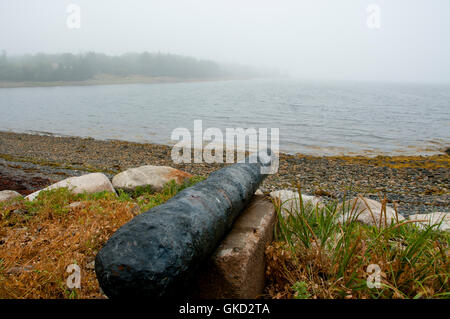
[(447, 151), (22, 185), (158, 252)]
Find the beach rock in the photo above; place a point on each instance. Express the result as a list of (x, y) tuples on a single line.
[(154, 176), (432, 219), (77, 205), (259, 192), (89, 183), (7, 195), (18, 270), (290, 200), (368, 211)]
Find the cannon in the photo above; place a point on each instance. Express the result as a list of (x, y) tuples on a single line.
[(158, 253)]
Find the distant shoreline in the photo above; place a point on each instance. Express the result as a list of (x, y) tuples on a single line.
[(112, 80)]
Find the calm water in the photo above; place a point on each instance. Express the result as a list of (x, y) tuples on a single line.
[(313, 117)]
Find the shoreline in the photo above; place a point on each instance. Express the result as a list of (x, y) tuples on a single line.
[(418, 184), (113, 80), (420, 152)]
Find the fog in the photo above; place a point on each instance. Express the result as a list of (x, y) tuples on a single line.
[(316, 39)]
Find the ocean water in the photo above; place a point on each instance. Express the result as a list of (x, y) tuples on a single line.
[(316, 118)]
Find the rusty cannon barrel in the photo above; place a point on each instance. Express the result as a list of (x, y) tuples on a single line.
[(157, 253)]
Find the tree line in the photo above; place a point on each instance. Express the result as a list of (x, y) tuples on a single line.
[(78, 67)]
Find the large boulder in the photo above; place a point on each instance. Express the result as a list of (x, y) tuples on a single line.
[(369, 212), (291, 201), (154, 176), (424, 220), (89, 183), (7, 195)]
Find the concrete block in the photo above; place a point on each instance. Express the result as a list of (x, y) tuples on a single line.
[(237, 267)]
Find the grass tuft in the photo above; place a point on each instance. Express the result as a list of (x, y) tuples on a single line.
[(318, 254)]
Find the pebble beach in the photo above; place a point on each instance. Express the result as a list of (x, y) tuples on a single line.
[(414, 184)]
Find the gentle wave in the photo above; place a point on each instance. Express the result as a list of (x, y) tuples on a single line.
[(313, 118)]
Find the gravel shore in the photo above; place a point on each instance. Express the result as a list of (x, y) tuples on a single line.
[(418, 184)]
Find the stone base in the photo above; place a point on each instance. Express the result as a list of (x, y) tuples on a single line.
[(237, 267)]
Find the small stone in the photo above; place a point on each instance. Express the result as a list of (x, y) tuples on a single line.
[(19, 212), (7, 195), (18, 270), (76, 204), (259, 192), (321, 192)]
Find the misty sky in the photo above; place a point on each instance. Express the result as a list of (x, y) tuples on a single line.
[(316, 39)]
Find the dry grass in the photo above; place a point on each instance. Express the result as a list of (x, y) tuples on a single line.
[(40, 239), (40, 245)]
